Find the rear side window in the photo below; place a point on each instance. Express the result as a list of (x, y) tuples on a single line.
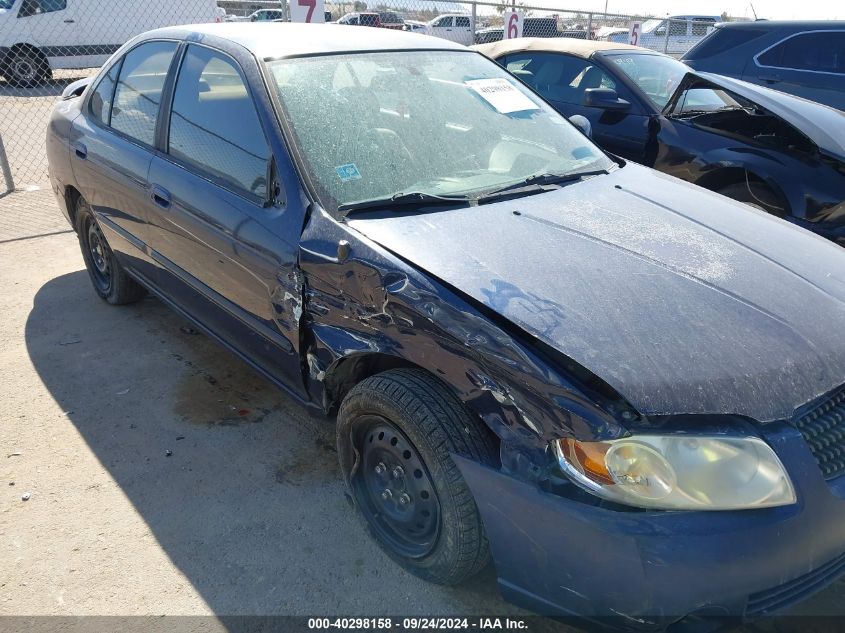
[(138, 92), (462, 21), (557, 77), (36, 7), (214, 125), (823, 51), (721, 40), (100, 104)]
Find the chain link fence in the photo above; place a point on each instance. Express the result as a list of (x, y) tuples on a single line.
[(47, 44)]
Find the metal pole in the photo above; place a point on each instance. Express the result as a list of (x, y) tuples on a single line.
[(589, 26), (4, 166), (666, 36), (472, 21)]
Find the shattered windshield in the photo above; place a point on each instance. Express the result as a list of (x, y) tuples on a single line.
[(371, 126)]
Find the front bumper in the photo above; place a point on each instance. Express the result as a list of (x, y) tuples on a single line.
[(647, 569)]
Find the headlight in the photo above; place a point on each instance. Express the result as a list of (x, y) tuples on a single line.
[(679, 472)]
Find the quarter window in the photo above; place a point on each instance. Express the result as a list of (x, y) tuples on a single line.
[(823, 51), (138, 92), (214, 125), (557, 77), (36, 7), (101, 98)]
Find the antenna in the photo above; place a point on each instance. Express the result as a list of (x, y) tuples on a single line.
[(751, 4)]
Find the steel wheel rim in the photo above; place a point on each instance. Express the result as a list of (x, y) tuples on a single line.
[(24, 69), (98, 251), (394, 489)]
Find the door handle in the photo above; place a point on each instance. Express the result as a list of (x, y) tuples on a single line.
[(769, 79), (160, 196), (80, 150), (69, 21)]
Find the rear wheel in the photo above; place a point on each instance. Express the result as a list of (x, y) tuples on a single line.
[(109, 279), (755, 194), (401, 427), (26, 68)]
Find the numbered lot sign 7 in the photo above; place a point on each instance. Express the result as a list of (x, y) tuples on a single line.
[(310, 11)]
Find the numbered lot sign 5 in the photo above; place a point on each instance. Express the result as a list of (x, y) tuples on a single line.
[(634, 33)]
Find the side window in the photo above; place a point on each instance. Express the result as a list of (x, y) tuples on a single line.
[(214, 125), (678, 28), (138, 91), (100, 104), (462, 21), (822, 51), (558, 77), (36, 7), (700, 28), (445, 21)]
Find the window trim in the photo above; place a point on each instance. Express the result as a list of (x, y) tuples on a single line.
[(105, 70), (798, 70), (163, 141)]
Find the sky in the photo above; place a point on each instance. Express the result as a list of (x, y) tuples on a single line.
[(771, 9)]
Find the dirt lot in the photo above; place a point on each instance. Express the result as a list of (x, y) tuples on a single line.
[(165, 476)]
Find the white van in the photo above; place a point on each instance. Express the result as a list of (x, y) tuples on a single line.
[(39, 36), (456, 27), (683, 32)]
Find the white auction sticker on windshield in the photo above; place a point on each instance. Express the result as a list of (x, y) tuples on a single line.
[(502, 95)]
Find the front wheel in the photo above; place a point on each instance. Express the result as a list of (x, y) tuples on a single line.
[(755, 194), (109, 279), (398, 429)]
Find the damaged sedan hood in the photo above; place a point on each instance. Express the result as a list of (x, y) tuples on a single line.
[(823, 125), (681, 299)]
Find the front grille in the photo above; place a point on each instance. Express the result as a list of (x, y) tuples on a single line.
[(823, 427), (782, 596)]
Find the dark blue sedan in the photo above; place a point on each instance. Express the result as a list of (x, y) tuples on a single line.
[(803, 58), (627, 391), (771, 150)]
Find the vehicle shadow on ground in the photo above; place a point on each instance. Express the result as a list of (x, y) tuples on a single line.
[(238, 484), (49, 88)]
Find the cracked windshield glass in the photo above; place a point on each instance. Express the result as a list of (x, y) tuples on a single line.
[(442, 123)]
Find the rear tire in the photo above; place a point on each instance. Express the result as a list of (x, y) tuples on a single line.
[(755, 194), (26, 68), (109, 279), (399, 427)]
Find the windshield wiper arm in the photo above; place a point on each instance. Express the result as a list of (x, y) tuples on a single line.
[(405, 200), (539, 183)]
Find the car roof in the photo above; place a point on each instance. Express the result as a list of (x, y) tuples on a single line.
[(284, 39), (797, 25), (571, 45)]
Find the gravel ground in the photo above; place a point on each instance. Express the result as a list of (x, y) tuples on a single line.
[(164, 476)]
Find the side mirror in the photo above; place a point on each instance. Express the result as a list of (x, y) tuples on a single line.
[(604, 98), (583, 124)]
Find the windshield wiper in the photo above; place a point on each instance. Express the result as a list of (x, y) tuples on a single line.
[(538, 183), (413, 199)]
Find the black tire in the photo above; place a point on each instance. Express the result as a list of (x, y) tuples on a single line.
[(26, 68), (755, 194), (408, 418), (109, 279)]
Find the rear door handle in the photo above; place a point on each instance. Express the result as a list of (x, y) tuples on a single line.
[(769, 79), (69, 21), (80, 150), (160, 196)]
